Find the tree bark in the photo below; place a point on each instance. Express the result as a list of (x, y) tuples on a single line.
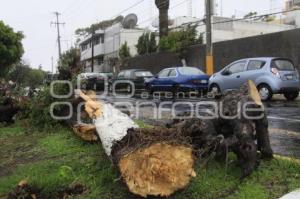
[(163, 6), (160, 160), (155, 162)]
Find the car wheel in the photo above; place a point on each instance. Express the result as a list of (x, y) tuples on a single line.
[(175, 89), (215, 89), (265, 92), (128, 89), (291, 96)]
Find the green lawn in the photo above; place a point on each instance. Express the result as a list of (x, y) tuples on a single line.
[(51, 161)]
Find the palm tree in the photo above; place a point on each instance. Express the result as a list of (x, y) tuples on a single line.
[(163, 6)]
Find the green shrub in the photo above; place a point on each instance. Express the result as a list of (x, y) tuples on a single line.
[(38, 108)]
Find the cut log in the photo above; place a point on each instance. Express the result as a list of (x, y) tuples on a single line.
[(86, 132), (155, 162), (160, 161)]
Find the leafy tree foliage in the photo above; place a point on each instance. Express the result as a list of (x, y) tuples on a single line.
[(70, 64), (146, 44), (124, 51), (152, 46), (178, 41), (36, 77), (101, 25), (11, 48), (25, 76), (253, 16), (250, 14)]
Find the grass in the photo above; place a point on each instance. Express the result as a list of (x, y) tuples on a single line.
[(53, 161)]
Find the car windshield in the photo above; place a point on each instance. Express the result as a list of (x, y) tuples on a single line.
[(190, 71), (283, 65), (143, 74)]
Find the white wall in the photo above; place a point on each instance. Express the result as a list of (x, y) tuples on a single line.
[(112, 39), (87, 54), (131, 36), (293, 17), (241, 29)]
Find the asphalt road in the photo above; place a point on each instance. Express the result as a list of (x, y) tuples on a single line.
[(284, 120)]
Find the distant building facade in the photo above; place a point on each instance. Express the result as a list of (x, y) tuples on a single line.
[(292, 16), (106, 47), (225, 28)]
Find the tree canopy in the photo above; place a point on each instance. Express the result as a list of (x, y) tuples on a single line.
[(101, 25), (124, 51), (146, 44), (178, 41), (70, 64), (23, 75), (11, 48)]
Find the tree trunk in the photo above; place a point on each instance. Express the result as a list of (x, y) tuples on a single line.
[(155, 162), (247, 123), (159, 161), (163, 6)]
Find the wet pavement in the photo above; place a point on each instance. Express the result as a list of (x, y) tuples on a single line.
[(284, 120), (284, 125)]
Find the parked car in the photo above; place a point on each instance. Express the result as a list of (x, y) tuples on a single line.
[(179, 79), (49, 78), (135, 76), (94, 81), (271, 76)]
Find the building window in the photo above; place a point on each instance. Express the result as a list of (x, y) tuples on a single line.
[(97, 40), (102, 39), (100, 61)]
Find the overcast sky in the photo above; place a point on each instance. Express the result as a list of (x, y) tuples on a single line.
[(33, 17)]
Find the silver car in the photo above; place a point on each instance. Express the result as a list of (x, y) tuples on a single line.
[(271, 76)]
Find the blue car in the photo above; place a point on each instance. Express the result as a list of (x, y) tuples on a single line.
[(178, 79)]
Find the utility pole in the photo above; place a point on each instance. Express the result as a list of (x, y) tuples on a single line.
[(221, 8), (57, 24), (52, 65), (93, 35), (209, 45)]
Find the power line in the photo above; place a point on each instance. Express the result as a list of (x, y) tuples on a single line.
[(197, 23), (233, 20), (129, 8)]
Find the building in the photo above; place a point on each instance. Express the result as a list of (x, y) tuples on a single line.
[(292, 16), (225, 28), (106, 47), (231, 28), (86, 51)]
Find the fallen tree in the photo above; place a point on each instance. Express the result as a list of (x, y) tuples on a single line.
[(160, 160), (8, 109), (155, 161)]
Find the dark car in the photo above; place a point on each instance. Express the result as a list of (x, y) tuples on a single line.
[(93, 81), (179, 79), (127, 79)]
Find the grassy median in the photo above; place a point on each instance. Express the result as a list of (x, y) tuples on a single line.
[(51, 161)]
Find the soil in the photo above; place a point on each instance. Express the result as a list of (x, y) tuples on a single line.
[(13, 155)]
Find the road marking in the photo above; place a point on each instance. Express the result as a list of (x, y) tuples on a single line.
[(286, 119), (284, 131)]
